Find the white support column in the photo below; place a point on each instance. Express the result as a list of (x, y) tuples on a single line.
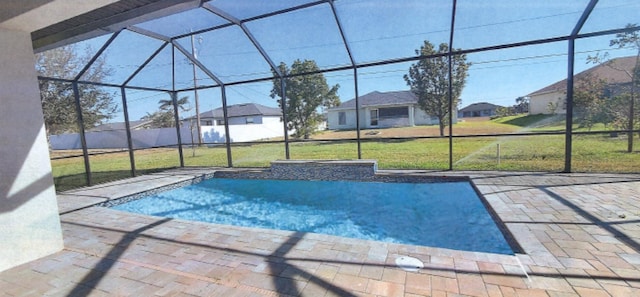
[(365, 118), (412, 115), (29, 220)]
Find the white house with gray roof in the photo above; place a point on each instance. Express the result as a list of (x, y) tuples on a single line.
[(480, 109), (240, 114), (380, 110), (247, 122)]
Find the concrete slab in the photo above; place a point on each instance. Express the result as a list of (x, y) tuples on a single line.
[(570, 226)]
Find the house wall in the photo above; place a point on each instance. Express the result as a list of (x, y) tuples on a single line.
[(422, 118), (333, 120), (392, 122), (477, 113), (269, 127), (29, 220), (365, 119), (416, 117), (243, 120), (539, 104), (257, 119)]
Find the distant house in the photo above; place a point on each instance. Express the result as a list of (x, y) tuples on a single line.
[(552, 99), (380, 110), (481, 109), (247, 122), (134, 125), (240, 114)]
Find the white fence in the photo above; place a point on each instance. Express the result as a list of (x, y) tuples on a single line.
[(164, 136)]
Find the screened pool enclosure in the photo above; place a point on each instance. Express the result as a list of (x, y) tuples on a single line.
[(548, 86)]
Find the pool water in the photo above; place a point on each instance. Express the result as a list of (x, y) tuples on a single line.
[(447, 215)]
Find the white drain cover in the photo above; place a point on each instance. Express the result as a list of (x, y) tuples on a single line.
[(409, 263)]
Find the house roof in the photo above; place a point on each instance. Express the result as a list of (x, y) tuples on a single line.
[(613, 72), (241, 110), (119, 126), (376, 98), (479, 106)]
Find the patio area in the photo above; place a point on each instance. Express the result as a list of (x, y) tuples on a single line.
[(580, 234)]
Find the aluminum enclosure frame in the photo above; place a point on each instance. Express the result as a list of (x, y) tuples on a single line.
[(354, 67)]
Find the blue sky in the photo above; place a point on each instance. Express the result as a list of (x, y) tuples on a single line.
[(376, 30)]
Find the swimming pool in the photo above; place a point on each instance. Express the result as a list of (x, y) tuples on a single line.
[(448, 215)]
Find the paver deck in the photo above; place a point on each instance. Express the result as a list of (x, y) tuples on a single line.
[(580, 234)]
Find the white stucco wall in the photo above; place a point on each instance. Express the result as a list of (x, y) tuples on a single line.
[(333, 120), (269, 127), (539, 104), (422, 118), (29, 220)]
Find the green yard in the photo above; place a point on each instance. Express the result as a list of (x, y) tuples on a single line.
[(392, 148)]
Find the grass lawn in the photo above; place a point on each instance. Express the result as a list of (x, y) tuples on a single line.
[(390, 147)]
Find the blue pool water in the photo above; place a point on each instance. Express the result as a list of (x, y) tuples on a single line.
[(448, 215)]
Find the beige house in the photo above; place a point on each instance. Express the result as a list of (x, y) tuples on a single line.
[(552, 99)]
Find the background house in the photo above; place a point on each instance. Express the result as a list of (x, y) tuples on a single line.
[(380, 110), (247, 122), (239, 114), (552, 98), (481, 109)]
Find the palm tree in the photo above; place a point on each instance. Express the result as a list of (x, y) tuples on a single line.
[(164, 118), (167, 104)]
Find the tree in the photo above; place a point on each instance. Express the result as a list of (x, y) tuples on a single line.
[(58, 100), (167, 104), (160, 119), (429, 81), (589, 102), (522, 105), (163, 118), (617, 108), (553, 107), (628, 39), (304, 95), (504, 111)]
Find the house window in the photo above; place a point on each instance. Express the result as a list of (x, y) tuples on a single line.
[(249, 120), (342, 118), (374, 117), (208, 123), (220, 122), (394, 112)]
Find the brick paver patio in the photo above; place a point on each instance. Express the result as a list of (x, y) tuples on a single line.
[(580, 234)]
